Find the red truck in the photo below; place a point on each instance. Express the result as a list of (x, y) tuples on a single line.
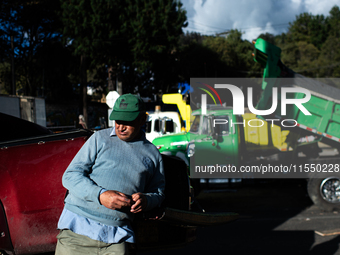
[(33, 160)]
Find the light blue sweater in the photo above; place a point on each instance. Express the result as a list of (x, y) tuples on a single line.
[(107, 162)]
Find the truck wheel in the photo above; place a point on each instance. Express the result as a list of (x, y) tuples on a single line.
[(325, 192), (196, 185)]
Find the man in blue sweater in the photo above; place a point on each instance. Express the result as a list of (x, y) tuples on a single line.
[(116, 174)]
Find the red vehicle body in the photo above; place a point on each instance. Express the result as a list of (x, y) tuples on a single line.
[(31, 194), (33, 161)]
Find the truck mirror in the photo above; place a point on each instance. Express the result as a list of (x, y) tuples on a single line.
[(216, 131), (214, 135)]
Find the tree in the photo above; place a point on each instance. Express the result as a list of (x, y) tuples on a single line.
[(133, 33), (210, 56), (235, 53), (268, 37), (25, 27), (334, 21), (7, 57), (309, 28), (329, 58), (311, 44), (198, 60)]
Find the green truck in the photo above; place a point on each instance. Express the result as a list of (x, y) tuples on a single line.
[(248, 145)]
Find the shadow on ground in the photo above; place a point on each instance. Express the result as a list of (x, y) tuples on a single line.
[(265, 226)]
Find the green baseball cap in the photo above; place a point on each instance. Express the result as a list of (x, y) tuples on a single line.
[(127, 108)]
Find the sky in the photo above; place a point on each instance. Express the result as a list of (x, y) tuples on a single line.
[(252, 17)]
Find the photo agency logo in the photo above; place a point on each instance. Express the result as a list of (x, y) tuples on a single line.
[(238, 122), (204, 97), (232, 113), (278, 101)]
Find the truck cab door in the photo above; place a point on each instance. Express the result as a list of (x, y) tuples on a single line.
[(215, 143)]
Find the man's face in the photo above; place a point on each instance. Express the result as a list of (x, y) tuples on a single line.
[(129, 130)]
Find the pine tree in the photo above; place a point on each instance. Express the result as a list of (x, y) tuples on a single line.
[(134, 32)]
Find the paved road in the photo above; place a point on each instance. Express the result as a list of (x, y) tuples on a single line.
[(277, 217)]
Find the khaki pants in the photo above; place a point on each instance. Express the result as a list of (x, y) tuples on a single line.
[(70, 243)]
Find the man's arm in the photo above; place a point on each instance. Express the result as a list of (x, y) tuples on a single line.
[(154, 195), (76, 177)]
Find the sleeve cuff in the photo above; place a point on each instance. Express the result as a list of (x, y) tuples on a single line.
[(101, 192)]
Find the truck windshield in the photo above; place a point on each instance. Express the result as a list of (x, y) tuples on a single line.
[(222, 125)]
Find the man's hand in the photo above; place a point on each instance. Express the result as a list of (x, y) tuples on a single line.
[(114, 199), (139, 202)]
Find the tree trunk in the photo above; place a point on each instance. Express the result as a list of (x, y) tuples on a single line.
[(14, 89), (83, 91), (120, 88), (111, 81)]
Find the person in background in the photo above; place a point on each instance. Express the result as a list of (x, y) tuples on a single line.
[(82, 123)]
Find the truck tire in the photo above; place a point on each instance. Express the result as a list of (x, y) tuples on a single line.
[(325, 192), (196, 185)]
